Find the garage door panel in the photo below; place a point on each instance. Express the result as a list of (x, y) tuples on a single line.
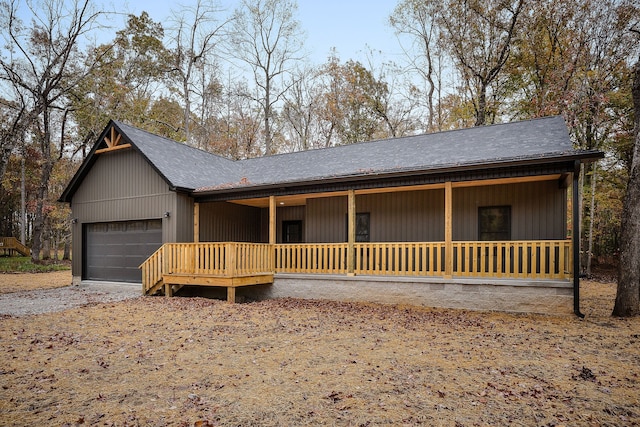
[(113, 251)]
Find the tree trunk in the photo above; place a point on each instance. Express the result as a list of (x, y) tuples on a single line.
[(40, 215), (187, 112), (23, 203), (267, 132), (46, 247), (482, 105), (46, 240), (628, 293), (66, 255), (56, 245), (267, 115)]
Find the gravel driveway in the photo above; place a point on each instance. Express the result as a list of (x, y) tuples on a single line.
[(59, 299)]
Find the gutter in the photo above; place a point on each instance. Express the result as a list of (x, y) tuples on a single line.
[(576, 242)]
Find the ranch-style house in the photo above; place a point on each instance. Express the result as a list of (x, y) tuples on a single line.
[(479, 218)]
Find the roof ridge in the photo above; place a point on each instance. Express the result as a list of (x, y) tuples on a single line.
[(240, 162), (397, 138)]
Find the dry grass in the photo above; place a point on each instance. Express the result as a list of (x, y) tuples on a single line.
[(17, 282), (191, 361)]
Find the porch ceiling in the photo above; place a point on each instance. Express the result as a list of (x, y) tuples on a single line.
[(301, 199), (292, 200)]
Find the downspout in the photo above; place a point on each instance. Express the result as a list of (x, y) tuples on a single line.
[(576, 241)]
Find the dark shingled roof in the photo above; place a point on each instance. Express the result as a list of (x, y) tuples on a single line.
[(182, 166), (530, 139), (188, 169)]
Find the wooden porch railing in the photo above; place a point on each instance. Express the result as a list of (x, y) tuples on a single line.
[(226, 260), (406, 258), (217, 259), (543, 259), (152, 270), (12, 244), (546, 259), (318, 258)]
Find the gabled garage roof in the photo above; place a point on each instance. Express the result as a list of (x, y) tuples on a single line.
[(181, 165), (184, 168)]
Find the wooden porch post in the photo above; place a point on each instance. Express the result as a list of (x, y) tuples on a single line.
[(448, 234), (196, 222), (231, 294), (272, 220), (351, 232), (272, 232)]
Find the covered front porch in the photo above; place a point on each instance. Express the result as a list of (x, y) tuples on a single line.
[(537, 207), (232, 265)]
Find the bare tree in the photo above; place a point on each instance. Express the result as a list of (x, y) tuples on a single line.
[(194, 36), (269, 39), (43, 67), (418, 20), (15, 118), (396, 112), (479, 35), (15, 110), (301, 110)]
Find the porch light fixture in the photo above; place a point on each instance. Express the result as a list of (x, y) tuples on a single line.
[(167, 214), (74, 221), (281, 203)]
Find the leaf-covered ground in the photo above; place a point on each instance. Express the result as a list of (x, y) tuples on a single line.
[(197, 362), (18, 282)]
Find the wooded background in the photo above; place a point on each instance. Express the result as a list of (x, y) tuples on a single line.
[(239, 83)]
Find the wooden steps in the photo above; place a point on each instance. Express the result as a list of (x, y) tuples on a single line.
[(12, 244), (221, 264)]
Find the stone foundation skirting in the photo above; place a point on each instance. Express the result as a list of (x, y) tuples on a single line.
[(525, 296)]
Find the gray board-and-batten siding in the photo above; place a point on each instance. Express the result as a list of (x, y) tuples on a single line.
[(538, 213), (122, 186)]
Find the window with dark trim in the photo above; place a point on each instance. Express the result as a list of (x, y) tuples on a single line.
[(494, 223), (292, 231), (363, 227)]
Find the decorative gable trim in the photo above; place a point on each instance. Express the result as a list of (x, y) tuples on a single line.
[(112, 138)]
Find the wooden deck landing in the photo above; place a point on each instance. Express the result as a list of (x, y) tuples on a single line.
[(223, 264), (231, 283)]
